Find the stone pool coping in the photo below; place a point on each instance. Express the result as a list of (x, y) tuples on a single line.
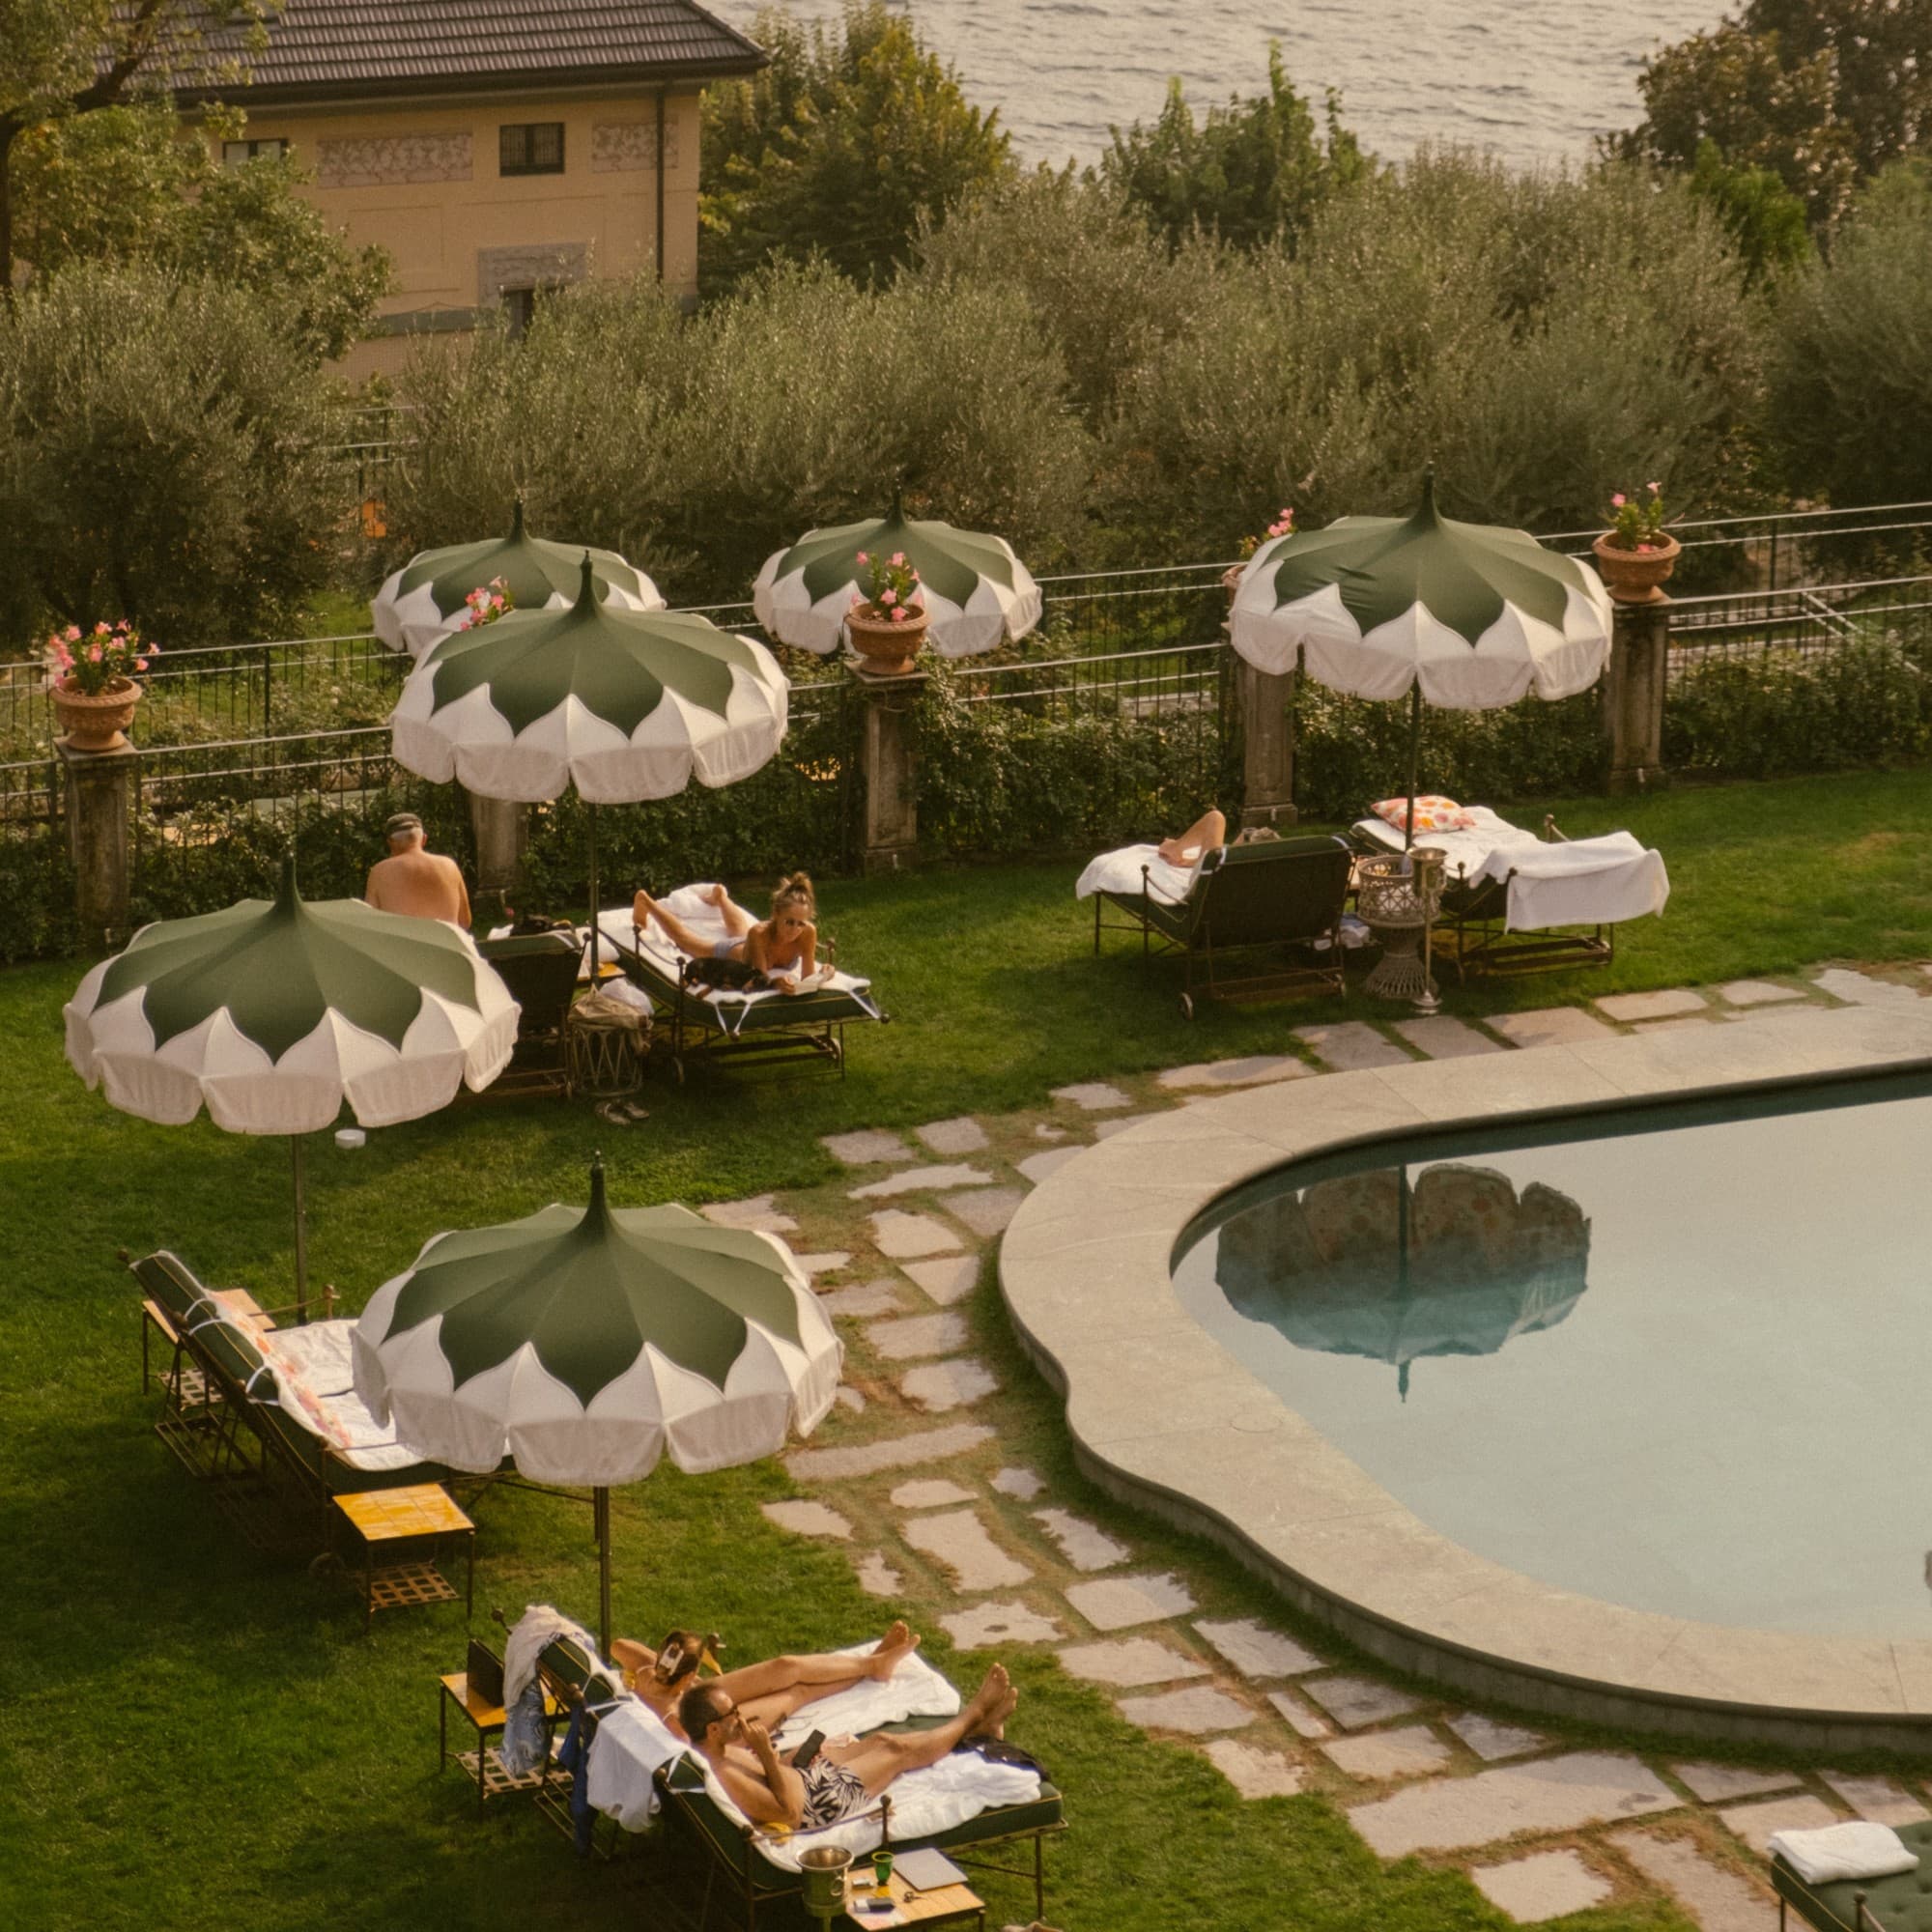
[(1164, 1416)]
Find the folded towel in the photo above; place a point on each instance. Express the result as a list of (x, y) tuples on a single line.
[(914, 1689), (1834, 1852)]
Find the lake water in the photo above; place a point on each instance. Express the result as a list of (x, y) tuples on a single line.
[(1532, 79)]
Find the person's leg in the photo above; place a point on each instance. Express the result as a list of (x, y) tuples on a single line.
[(644, 909), (771, 1691), (737, 920), (1206, 832), (886, 1755)]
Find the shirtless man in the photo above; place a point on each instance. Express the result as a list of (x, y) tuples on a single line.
[(414, 881), (768, 1692), (845, 1777)]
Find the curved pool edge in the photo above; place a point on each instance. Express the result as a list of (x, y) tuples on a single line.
[(1162, 1416)]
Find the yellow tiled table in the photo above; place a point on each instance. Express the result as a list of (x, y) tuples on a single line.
[(943, 1905), (486, 1719), (397, 1523)]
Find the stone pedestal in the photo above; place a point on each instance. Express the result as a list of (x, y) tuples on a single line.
[(889, 763), (1267, 746), (1634, 691), (100, 805), (501, 829)]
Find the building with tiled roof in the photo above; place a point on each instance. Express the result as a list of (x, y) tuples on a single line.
[(496, 147)]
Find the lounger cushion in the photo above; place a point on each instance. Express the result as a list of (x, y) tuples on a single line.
[(1900, 1904)]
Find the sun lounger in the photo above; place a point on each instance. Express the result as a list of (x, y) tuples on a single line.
[(1284, 893), (265, 1415), (540, 969), (761, 1026), (1900, 1903), (1515, 902)]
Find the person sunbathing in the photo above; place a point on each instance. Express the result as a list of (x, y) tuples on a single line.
[(784, 947), (769, 1692), (1200, 839), (845, 1775)]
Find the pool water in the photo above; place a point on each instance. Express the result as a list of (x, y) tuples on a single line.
[(1679, 1359)]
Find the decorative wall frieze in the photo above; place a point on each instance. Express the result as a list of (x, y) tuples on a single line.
[(548, 266), (389, 161), (631, 147)]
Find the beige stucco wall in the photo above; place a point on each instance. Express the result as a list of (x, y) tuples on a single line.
[(424, 184)]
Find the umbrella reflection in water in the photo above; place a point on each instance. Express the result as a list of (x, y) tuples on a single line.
[(1455, 1264)]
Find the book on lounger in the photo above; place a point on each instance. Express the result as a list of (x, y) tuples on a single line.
[(926, 1871)]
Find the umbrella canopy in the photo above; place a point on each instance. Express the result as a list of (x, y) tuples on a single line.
[(589, 1343), (1474, 617), (423, 602), (621, 704), (977, 595)]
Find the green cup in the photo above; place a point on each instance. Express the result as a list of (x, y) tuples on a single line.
[(882, 1869)]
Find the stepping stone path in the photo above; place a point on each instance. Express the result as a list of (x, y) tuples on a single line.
[(1630, 1007), (1720, 1900), (915, 1180), (826, 1264), (948, 1280), (941, 1386), (866, 1298), (1860, 989), (1492, 1741), (987, 1212), (1119, 1603), (1724, 1784), (1548, 1884), (1130, 1663), (1349, 1046), (1195, 1711), (807, 1518), (1251, 1071), (987, 1626), (1754, 1824), (1094, 1097), (1020, 1484), (877, 1578), (1044, 1132), (1442, 1036), (1083, 1546), (1299, 1718), (1877, 1799), (1757, 992), (965, 1545), (1412, 1752), (963, 1135), (1256, 1650), (911, 1336), (865, 1149), (1105, 1131), (931, 1493), (1551, 1026), (849, 1398), (1037, 1166), (907, 1236), (895, 1452), (1254, 1773), (1355, 1703), (760, 1213)]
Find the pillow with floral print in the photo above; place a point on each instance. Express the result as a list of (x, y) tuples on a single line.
[(1432, 814)]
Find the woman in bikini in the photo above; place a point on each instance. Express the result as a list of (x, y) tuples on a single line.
[(784, 947), (769, 1692)]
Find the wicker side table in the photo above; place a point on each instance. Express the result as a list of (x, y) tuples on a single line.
[(605, 1041), (1397, 898)]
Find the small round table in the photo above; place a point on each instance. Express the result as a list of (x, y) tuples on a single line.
[(1397, 896)]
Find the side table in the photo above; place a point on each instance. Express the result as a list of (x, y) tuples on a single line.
[(1396, 897), (943, 1905), (486, 1718), (407, 1526)]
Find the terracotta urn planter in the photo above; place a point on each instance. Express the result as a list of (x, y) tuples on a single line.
[(888, 648), (99, 723), (1636, 576)]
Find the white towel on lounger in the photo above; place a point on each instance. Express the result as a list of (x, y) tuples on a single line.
[(1120, 873), (914, 1689), (1833, 1852)]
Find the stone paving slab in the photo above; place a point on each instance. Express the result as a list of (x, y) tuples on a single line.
[(1195, 1711), (1094, 1097), (1046, 1132), (907, 1337), (962, 1135), (1084, 1546), (825, 1264), (1118, 1602), (1130, 1663), (1551, 1026), (1547, 1885), (1724, 1784), (938, 1387), (915, 1180), (866, 1148), (1756, 992), (1443, 1036), (807, 1518), (930, 1492), (1350, 1045), (1557, 1794), (1256, 1650), (1879, 1799), (864, 1298), (1658, 1006), (1105, 1131), (1755, 1823), (949, 1279), (1718, 1899), (760, 1213), (963, 1542), (1860, 989), (895, 1452), (990, 1625), (1491, 1741), (877, 1578), (1020, 1484), (1252, 1071), (1299, 1718), (1684, 1023), (1037, 1166), (909, 1237), (1413, 1750), (1252, 1771), (849, 1399), (985, 1213), (1357, 1701)]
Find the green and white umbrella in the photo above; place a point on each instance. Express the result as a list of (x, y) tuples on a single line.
[(589, 1343), (425, 600), (977, 595), (276, 1012)]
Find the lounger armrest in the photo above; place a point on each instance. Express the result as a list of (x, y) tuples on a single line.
[(330, 1296), (1552, 833)]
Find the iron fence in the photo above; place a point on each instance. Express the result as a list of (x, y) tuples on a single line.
[(30, 794), (1812, 620)]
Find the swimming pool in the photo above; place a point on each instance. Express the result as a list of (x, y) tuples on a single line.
[(1677, 1360)]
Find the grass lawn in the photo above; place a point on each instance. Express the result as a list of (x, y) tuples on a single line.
[(193, 1736)]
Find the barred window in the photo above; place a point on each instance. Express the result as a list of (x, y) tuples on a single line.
[(239, 153), (530, 147)]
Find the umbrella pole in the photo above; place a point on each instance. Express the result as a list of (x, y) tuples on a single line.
[(600, 1503), (302, 1227), (1415, 756), (593, 947)]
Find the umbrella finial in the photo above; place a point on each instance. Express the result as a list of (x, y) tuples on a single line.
[(597, 1203), (899, 497), (1401, 1381), (516, 519), (1427, 509), (288, 897), (587, 593)]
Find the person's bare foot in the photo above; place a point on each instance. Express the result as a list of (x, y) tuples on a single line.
[(988, 1697), (995, 1725), (717, 896), (897, 1644)]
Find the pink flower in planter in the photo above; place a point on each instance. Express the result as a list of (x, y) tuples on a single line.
[(862, 558), (900, 614), (1655, 489), (898, 556), (72, 634), (94, 654), (1617, 501), (1643, 546), (140, 664), (889, 598)]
